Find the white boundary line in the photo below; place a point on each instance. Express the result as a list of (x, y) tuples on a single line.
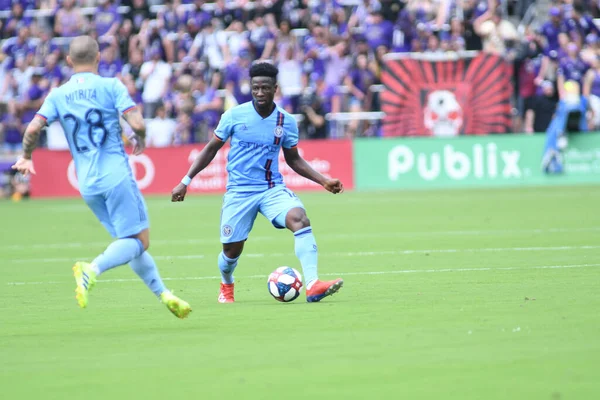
[(405, 271), (344, 254), (356, 235)]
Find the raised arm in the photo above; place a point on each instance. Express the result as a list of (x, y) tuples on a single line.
[(302, 168), (202, 160)]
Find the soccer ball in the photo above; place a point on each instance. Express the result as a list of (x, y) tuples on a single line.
[(285, 284)]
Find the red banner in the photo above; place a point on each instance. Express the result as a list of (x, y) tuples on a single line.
[(449, 97), (157, 171)]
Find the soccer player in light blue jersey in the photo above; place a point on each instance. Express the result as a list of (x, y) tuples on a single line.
[(88, 108), (257, 130)]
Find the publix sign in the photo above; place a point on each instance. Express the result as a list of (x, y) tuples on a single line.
[(478, 162), (469, 161)]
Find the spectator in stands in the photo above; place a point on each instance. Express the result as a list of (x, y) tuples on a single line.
[(337, 65), (237, 78), (134, 67), (160, 130), (19, 46), (156, 75), (11, 130), (207, 110), (591, 90), (578, 23), (16, 21), (290, 73), (184, 130), (68, 21), (45, 47), (33, 96), (261, 38), (358, 82), (313, 125), (106, 18), (110, 65), (457, 33), (138, 13), (571, 68), (22, 77), (552, 28), (237, 41), (208, 44), (285, 40), (378, 31), (495, 32)]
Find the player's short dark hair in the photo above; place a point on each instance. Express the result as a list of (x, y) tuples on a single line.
[(264, 69)]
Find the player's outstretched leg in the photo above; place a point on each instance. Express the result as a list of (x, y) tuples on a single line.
[(117, 253), (228, 260), (145, 267), (306, 251)]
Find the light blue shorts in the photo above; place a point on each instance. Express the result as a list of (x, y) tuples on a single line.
[(240, 210), (122, 209)]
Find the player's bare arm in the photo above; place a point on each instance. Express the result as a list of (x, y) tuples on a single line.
[(207, 154), (135, 119), (30, 139), (302, 168)]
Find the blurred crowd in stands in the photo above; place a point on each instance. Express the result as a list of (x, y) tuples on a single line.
[(185, 61)]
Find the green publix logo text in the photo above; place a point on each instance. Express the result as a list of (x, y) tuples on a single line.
[(481, 162)]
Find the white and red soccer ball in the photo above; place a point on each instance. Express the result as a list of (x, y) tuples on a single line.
[(285, 284)]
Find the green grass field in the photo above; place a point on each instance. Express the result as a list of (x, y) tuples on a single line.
[(489, 294)]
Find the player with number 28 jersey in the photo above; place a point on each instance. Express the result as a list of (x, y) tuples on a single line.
[(88, 107)]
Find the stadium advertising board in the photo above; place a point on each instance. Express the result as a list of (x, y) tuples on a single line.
[(446, 95), (157, 171), (468, 161)]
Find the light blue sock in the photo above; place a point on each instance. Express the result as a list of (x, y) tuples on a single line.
[(306, 251), (145, 267), (227, 266), (119, 252)]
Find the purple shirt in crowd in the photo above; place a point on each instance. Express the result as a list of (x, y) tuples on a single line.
[(259, 38), (241, 82), (105, 17), (572, 69), (12, 131), (110, 69), (35, 92), (551, 32), (14, 49), (379, 34)]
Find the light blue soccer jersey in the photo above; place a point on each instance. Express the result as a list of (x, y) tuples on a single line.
[(88, 107), (252, 163)]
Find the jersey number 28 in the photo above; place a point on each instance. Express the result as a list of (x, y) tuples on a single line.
[(97, 132)]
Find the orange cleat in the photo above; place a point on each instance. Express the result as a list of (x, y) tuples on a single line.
[(322, 289), (226, 293)]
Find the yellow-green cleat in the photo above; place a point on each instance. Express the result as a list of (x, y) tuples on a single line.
[(85, 279), (178, 307)]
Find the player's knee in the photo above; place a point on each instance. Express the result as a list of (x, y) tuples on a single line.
[(233, 250), (297, 219), (144, 238), (145, 243)]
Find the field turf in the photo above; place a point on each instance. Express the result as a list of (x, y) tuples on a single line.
[(479, 294)]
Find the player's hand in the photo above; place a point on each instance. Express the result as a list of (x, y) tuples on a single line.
[(334, 186), (138, 143), (178, 194), (24, 166)]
